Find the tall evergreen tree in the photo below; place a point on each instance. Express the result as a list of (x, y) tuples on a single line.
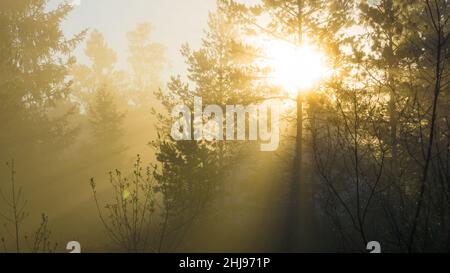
[(190, 174), (105, 118), (147, 60), (33, 75)]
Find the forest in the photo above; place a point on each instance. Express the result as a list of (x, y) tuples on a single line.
[(88, 153)]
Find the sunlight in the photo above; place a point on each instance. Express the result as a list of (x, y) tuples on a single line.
[(294, 68)]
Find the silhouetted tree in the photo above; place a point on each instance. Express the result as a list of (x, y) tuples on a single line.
[(190, 175)]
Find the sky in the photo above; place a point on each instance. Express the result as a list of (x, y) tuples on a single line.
[(174, 22)]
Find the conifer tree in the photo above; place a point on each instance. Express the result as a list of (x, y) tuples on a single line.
[(190, 174), (34, 79)]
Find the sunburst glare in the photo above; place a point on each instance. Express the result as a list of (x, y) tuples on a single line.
[(295, 68)]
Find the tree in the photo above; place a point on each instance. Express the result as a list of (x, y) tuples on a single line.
[(105, 119), (388, 179), (102, 57), (88, 79), (13, 219), (130, 214), (147, 60), (430, 210), (34, 75), (190, 175), (100, 91), (299, 22)]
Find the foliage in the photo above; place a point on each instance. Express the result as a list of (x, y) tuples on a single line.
[(130, 214)]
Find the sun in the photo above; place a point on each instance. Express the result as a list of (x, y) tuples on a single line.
[(295, 68)]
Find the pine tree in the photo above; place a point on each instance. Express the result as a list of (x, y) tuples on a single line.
[(105, 119), (99, 89), (34, 79), (190, 174), (101, 71), (147, 60)]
